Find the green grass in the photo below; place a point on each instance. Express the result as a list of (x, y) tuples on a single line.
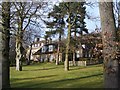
[(48, 75)]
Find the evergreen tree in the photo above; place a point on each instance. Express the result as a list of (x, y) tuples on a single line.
[(78, 27), (75, 14), (57, 26)]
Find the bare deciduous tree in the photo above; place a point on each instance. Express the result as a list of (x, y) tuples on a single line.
[(4, 44), (111, 66), (23, 14)]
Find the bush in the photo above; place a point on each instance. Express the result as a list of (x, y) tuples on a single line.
[(83, 59)]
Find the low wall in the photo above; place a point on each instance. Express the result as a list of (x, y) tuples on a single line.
[(77, 63)]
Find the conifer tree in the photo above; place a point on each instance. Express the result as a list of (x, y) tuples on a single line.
[(75, 14), (56, 27)]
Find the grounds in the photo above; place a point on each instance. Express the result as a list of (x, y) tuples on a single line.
[(48, 75)]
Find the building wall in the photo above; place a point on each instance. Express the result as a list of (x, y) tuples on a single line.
[(35, 47)]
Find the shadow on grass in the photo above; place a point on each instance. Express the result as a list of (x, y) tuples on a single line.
[(14, 79), (71, 79), (84, 67), (77, 68), (41, 69), (58, 83), (95, 64)]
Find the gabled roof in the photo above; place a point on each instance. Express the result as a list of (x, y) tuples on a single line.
[(39, 52), (43, 41)]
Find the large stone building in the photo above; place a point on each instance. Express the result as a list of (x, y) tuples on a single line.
[(90, 47), (43, 51)]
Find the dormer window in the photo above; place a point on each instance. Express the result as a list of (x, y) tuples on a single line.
[(35, 45), (42, 44), (38, 44)]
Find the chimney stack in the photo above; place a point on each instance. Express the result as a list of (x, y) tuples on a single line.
[(37, 39)]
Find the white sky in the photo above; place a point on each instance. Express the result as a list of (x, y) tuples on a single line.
[(93, 21), (93, 12)]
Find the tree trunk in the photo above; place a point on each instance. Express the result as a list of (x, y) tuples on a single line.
[(18, 54), (29, 57), (1, 49), (68, 46), (118, 15), (111, 67), (58, 50), (57, 60), (119, 22), (74, 54), (4, 45), (19, 47)]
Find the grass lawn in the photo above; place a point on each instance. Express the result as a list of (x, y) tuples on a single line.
[(48, 75)]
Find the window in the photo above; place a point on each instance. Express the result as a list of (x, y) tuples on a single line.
[(38, 44), (33, 45), (44, 49), (78, 54), (42, 44), (50, 48)]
